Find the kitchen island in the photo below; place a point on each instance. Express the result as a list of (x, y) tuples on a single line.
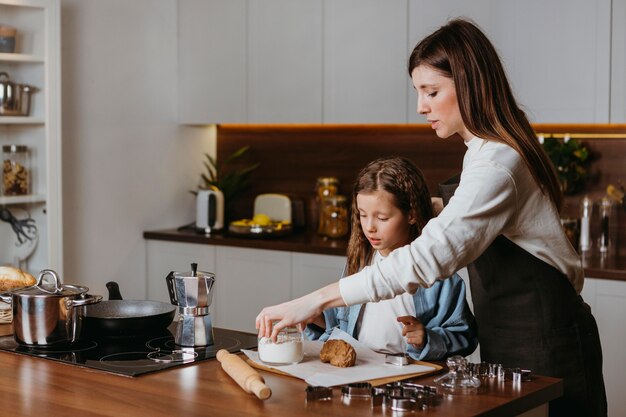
[(39, 387)]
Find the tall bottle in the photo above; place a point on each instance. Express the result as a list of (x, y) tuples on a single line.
[(606, 206), (586, 210)]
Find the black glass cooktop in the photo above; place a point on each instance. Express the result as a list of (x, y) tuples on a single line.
[(133, 356)]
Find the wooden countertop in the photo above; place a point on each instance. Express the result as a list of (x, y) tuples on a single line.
[(611, 266), (33, 386)]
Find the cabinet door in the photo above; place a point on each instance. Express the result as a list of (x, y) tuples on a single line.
[(246, 281), (618, 62), (607, 299), (556, 54), (212, 47), (285, 61), (164, 257), (312, 272), (365, 51)]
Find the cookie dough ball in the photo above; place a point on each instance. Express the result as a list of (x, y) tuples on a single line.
[(339, 353)]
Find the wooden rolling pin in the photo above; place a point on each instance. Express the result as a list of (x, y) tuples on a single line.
[(249, 379)]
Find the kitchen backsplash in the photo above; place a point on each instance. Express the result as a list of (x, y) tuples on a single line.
[(291, 157)]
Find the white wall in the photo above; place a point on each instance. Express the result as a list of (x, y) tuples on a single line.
[(127, 164)]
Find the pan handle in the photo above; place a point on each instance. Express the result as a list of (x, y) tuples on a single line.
[(114, 290), (169, 279)]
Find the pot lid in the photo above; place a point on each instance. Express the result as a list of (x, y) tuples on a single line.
[(194, 273), (48, 289)]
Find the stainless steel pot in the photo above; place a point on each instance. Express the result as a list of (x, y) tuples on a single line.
[(46, 314), (14, 97)]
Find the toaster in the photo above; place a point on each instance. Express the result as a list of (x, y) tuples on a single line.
[(209, 211), (281, 207)]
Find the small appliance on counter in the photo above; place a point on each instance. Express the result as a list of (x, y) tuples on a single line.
[(274, 215), (192, 292), (209, 211)]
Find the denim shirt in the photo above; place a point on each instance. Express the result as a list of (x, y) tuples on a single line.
[(449, 324)]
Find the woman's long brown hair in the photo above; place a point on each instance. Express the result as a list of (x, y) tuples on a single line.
[(462, 52), (404, 181)]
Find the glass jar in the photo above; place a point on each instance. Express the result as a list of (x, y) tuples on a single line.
[(287, 350), (325, 187), (335, 215), (15, 170)]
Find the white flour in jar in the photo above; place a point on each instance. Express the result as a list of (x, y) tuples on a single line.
[(282, 352)]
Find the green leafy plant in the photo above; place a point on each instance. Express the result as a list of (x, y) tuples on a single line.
[(571, 159), (231, 181)]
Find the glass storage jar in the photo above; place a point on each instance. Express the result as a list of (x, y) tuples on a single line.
[(287, 350), (335, 215), (325, 187), (15, 170)]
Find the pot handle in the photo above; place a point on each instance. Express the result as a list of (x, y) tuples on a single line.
[(57, 282), (169, 279), (90, 299), (6, 297)]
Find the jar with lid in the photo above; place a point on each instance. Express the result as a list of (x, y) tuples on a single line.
[(15, 170), (336, 216), (287, 350), (325, 187)]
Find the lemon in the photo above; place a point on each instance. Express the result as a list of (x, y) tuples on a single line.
[(615, 193), (261, 219)]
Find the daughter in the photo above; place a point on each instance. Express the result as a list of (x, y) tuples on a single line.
[(390, 206)]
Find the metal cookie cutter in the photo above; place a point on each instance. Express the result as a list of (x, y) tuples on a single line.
[(398, 360), (403, 403), (379, 396), (318, 393), (357, 390)]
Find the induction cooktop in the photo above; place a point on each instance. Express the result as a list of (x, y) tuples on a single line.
[(133, 356)]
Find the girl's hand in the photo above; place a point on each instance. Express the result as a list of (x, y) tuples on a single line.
[(413, 331)]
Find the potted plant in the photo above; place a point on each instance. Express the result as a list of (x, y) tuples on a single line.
[(231, 181), (570, 158)]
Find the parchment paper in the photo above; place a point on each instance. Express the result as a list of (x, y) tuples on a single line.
[(369, 365)]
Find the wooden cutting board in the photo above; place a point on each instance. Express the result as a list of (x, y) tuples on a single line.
[(374, 382)]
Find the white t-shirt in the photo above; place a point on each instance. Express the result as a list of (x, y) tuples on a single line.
[(378, 329), (497, 195)]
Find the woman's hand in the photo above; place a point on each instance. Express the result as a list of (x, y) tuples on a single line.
[(413, 331), (297, 312)]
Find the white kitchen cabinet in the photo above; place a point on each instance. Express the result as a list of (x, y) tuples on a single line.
[(365, 53), (36, 61), (607, 299), (248, 280), (557, 54), (163, 257), (212, 56), (285, 61), (344, 61), (311, 272), (618, 62)]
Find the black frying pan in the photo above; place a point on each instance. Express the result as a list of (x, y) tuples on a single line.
[(118, 317)]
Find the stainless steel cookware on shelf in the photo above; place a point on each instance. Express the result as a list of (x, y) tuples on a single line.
[(48, 313), (14, 97)]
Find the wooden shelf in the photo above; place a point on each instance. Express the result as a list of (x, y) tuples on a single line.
[(21, 120), (23, 199), (21, 58)]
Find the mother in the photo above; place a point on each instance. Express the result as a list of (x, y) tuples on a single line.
[(502, 222)]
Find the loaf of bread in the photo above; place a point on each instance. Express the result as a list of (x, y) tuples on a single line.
[(339, 353), (11, 278)]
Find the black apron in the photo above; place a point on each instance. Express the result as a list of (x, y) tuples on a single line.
[(529, 316)]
